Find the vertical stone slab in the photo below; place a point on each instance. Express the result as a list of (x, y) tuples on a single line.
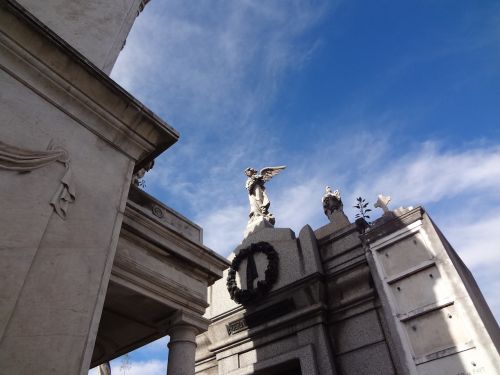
[(57, 266), (96, 28), (25, 214), (428, 306)]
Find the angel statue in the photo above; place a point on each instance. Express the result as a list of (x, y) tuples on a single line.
[(259, 201)]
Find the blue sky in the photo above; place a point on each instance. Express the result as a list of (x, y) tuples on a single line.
[(393, 97)]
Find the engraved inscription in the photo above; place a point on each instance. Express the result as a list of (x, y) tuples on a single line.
[(236, 326)]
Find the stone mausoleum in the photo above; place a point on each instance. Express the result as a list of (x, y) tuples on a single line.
[(92, 267), (390, 297)]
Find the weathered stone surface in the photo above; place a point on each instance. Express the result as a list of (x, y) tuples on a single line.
[(160, 212), (55, 269), (158, 281), (371, 360), (428, 308), (359, 331), (97, 29), (255, 224), (295, 328), (395, 305)]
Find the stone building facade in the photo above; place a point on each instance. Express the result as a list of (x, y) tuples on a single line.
[(91, 267), (390, 298)]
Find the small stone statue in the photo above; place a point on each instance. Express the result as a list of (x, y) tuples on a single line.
[(331, 201), (257, 196), (334, 208), (137, 178)]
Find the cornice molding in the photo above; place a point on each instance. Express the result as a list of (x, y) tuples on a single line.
[(137, 223), (391, 226), (42, 61), (157, 283)]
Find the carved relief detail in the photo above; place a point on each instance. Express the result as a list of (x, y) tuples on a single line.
[(157, 211), (24, 161)]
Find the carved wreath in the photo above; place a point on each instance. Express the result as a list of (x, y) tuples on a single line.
[(245, 296)]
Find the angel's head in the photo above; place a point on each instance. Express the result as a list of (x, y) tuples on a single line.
[(250, 172)]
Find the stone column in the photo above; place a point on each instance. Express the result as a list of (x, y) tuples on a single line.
[(182, 349)]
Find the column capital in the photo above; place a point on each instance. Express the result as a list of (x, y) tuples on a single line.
[(183, 318), (182, 333)]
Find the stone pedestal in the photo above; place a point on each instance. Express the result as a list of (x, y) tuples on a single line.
[(339, 219), (256, 224)]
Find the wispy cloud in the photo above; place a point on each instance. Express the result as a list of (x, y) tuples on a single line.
[(151, 367), (215, 77), (208, 67), (458, 188), (430, 174), (423, 175)]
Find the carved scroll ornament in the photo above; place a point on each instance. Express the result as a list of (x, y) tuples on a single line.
[(23, 161)]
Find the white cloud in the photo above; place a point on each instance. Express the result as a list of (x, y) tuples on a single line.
[(477, 239), (460, 191), (223, 228), (430, 175), (156, 353), (214, 60), (212, 69), (474, 234), (442, 180), (214, 77), (151, 367)]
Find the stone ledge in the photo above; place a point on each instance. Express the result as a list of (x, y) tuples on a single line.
[(161, 213), (268, 235), (203, 259), (280, 327), (391, 226)]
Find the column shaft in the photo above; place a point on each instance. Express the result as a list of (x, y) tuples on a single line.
[(182, 349)]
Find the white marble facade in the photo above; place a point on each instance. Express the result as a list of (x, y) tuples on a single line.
[(70, 141)]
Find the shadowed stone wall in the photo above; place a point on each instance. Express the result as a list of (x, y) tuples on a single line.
[(355, 326)]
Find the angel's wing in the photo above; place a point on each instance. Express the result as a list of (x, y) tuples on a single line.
[(269, 172)]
